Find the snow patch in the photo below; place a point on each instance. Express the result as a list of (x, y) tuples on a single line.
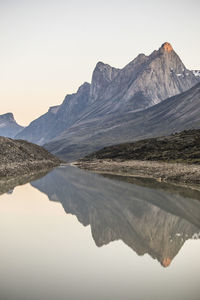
[(54, 109), (179, 75), (196, 73), (196, 236)]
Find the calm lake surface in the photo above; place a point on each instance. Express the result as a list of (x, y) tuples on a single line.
[(77, 235)]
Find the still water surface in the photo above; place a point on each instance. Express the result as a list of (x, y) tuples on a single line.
[(77, 235)]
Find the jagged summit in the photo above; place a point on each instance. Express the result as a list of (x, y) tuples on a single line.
[(8, 116), (145, 81), (102, 76), (101, 65), (167, 47), (8, 125)]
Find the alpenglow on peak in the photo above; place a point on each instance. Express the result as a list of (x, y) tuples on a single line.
[(167, 47)]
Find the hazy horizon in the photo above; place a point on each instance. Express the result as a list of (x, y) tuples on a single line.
[(49, 48)]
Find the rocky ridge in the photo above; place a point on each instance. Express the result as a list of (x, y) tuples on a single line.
[(21, 157), (144, 82)]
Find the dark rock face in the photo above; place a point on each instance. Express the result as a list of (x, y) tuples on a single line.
[(144, 82), (8, 125), (174, 114), (149, 220)]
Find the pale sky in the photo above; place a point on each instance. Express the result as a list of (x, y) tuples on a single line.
[(50, 47)]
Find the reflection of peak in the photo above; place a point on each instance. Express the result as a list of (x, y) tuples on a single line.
[(166, 262), (137, 215)]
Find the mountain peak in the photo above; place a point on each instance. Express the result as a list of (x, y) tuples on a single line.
[(8, 125), (102, 75), (167, 47), (100, 64), (8, 116)]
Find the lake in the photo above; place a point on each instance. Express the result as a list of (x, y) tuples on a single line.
[(77, 235)]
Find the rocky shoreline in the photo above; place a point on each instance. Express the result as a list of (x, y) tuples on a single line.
[(18, 157), (25, 168), (160, 171)]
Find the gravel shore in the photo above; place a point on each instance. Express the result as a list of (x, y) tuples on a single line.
[(25, 168), (161, 171)]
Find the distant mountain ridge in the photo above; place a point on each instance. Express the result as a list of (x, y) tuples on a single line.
[(8, 125), (144, 82), (58, 118)]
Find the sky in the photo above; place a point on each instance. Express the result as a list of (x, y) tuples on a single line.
[(50, 47)]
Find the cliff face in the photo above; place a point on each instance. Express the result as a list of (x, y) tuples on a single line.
[(8, 125), (21, 157), (145, 81), (103, 75), (150, 220)]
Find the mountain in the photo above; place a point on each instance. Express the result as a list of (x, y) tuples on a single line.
[(8, 125), (150, 220), (145, 81), (58, 118), (174, 114)]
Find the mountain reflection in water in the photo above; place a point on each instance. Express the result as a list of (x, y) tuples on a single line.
[(150, 220)]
